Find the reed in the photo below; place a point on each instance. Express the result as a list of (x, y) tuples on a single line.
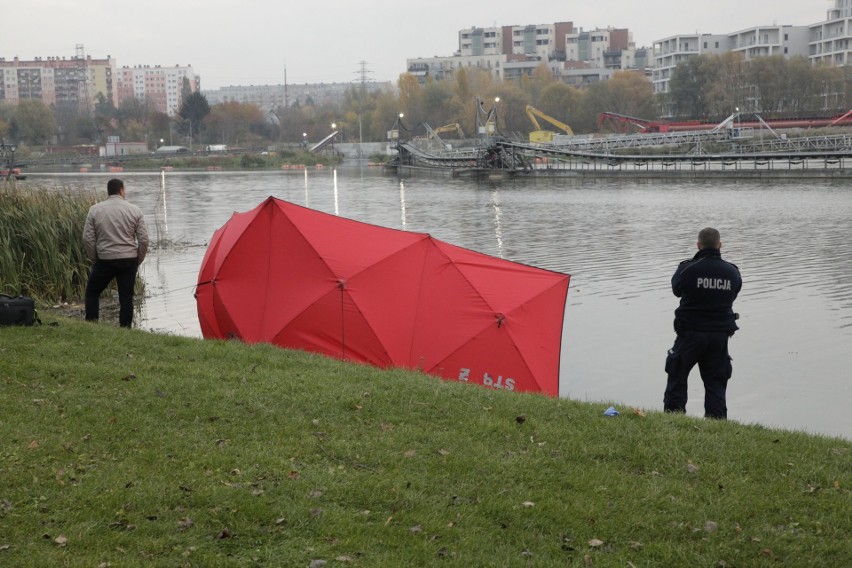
[(41, 249)]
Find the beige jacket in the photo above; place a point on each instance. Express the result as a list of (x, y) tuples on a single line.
[(115, 229)]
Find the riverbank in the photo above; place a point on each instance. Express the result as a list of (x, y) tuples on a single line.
[(130, 448)]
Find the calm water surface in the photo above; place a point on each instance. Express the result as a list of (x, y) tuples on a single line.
[(620, 240)]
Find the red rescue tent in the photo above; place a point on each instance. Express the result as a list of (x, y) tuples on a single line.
[(303, 279)]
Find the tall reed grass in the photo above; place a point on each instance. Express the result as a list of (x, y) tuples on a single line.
[(41, 248)]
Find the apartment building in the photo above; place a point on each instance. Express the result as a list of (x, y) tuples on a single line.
[(58, 81), (830, 41), (601, 48), (766, 41), (271, 97), (440, 68), (671, 51), (161, 87), (540, 41), (511, 52)]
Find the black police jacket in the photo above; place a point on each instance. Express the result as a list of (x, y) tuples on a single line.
[(707, 286)]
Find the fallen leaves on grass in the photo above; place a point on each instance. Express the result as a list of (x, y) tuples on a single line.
[(711, 527), (184, 523), (596, 543), (61, 540), (691, 467)]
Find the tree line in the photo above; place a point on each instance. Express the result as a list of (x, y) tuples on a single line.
[(705, 86)]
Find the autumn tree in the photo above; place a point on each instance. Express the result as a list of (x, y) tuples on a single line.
[(410, 101), (769, 77), (193, 110), (560, 101), (234, 123), (690, 85), (437, 104), (630, 93), (511, 110), (731, 89), (33, 122)]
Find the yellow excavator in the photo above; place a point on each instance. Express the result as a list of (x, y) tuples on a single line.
[(544, 136), (454, 127)]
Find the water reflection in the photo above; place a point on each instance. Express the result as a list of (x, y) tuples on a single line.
[(620, 241), (402, 204)]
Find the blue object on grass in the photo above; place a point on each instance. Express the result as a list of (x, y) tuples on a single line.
[(611, 411)]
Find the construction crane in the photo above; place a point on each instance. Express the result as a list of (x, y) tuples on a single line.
[(540, 135), (433, 133), (454, 127)]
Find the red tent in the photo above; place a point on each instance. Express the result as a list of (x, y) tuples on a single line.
[(303, 279)]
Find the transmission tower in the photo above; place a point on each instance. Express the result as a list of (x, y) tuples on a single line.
[(83, 80), (363, 73)]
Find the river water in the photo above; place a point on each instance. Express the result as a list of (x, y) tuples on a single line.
[(619, 239)]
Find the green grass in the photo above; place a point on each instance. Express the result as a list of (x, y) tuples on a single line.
[(124, 448)]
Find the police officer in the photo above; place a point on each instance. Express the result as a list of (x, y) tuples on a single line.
[(707, 286)]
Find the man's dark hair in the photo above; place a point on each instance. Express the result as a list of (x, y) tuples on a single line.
[(114, 186), (709, 238)]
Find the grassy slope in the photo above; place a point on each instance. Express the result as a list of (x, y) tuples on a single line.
[(125, 448)]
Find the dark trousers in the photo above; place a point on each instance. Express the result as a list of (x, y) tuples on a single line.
[(710, 351), (123, 270)]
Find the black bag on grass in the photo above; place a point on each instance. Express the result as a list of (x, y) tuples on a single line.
[(17, 311)]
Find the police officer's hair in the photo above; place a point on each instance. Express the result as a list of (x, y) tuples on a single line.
[(709, 238), (114, 186)]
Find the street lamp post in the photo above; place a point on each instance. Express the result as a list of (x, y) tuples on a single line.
[(8, 152)]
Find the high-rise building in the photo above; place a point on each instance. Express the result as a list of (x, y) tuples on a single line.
[(58, 81), (162, 87), (78, 81)]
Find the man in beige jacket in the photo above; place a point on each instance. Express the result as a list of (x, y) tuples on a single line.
[(116, 241)]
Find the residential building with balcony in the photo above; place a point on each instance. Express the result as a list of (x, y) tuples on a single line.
[(58, 81), (440, 68), (608, 48), (766, 41), (671, 51), (540, 41), (759, 41), (512, 52), (161, 87), (830, 41)]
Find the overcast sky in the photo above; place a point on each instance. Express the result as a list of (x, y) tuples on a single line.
[(250, 42)]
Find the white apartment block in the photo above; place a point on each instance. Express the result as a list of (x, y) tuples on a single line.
[(440, 68), (830, 42), (760, 41), (161, 86), (671, 51), (766, 41), (271, 97)]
